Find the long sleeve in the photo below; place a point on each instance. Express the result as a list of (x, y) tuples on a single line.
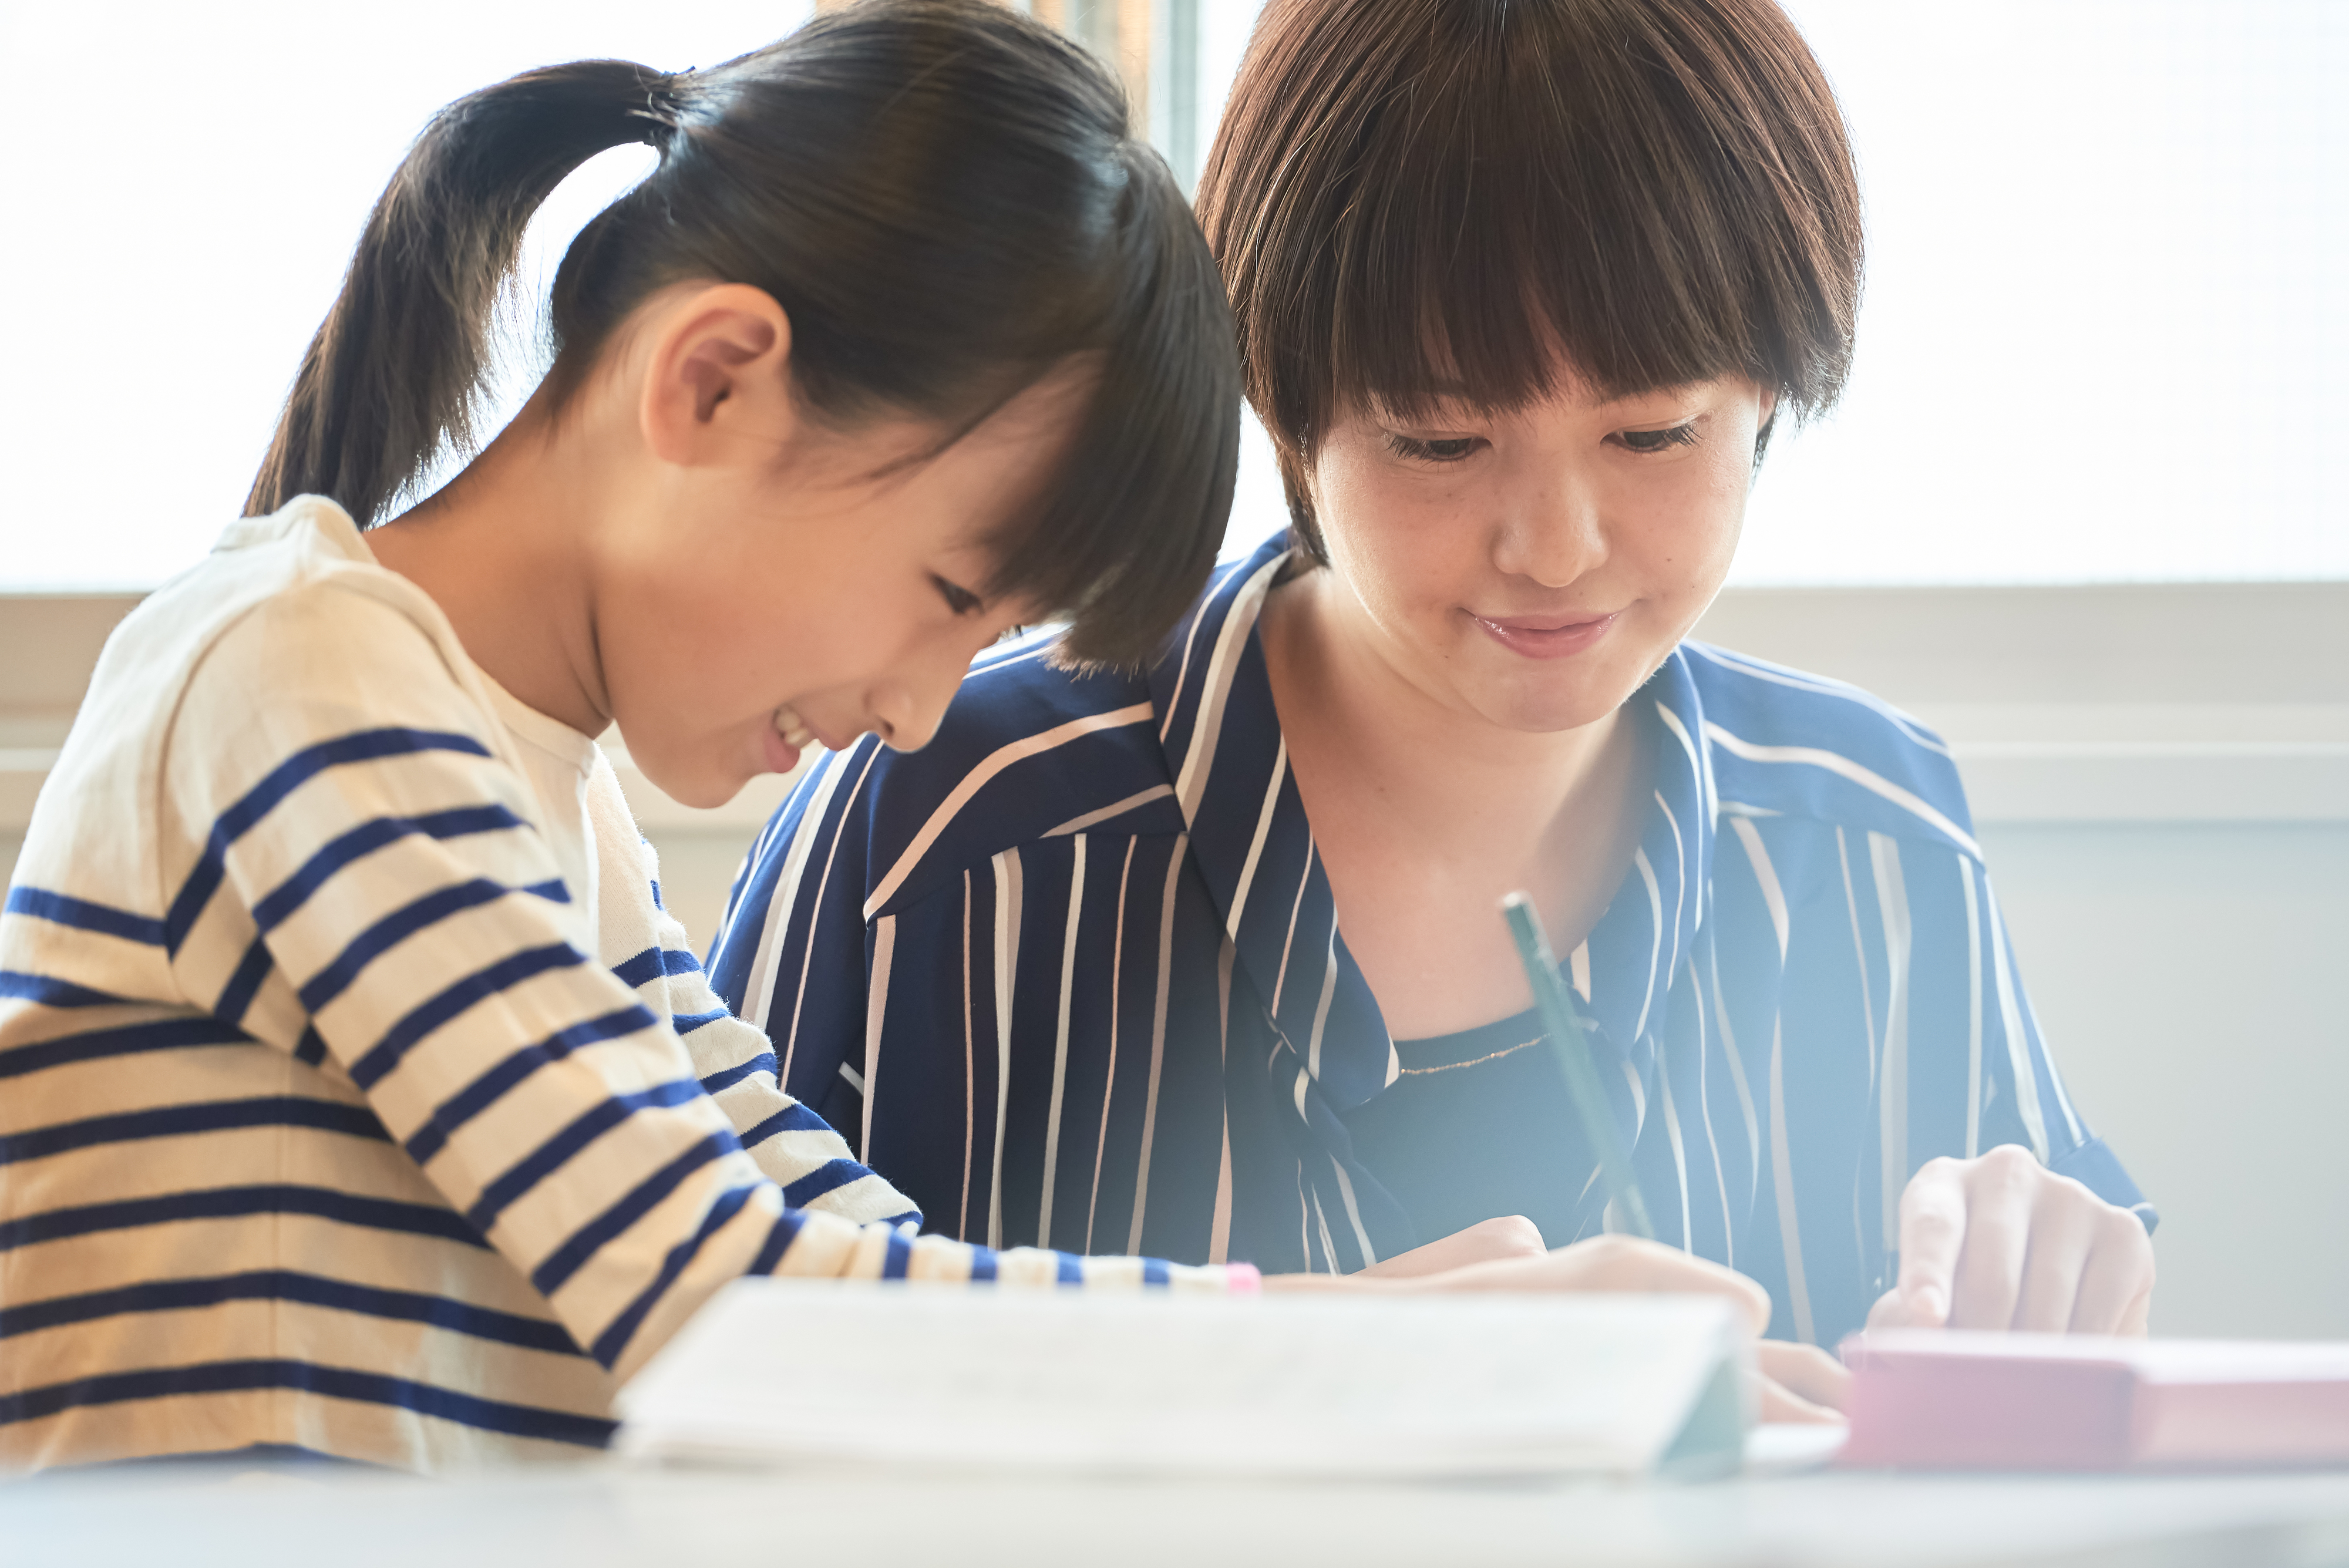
[(446, 973), (792, 1146), (792, 955)]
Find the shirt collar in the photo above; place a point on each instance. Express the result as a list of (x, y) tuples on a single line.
[(1254, 848)]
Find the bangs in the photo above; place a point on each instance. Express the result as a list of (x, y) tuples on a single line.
[(1478, 200), (1127, 538)]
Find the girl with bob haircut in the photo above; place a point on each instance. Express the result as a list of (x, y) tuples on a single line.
[(1204, 958), (361, 1099)]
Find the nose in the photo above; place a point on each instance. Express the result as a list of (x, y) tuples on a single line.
[(1555, 533), (904, 722), (908, 705)]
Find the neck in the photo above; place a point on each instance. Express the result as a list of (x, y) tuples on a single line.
[(501, 549), (1447, 775)]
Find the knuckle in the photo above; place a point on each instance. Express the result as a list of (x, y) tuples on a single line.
[(1611, 1251), (2123, 1231), (1512, 1235), (2010, 1161)]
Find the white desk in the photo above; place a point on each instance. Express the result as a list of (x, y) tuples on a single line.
[(608, 1516)]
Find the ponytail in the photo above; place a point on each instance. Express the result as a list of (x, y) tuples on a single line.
[(396, 369), (943, 197)]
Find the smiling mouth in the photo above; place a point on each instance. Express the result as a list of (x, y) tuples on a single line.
[(785, 740), (793, 729), (1545, 636)]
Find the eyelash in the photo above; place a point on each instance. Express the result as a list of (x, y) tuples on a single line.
[(1678, 435), (1425, 450), (959, 599), (1417, 451)]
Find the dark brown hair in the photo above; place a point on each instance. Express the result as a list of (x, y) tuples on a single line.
[(943, 197), (1421, 198)]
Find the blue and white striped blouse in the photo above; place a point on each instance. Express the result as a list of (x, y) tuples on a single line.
[(1071, 975)]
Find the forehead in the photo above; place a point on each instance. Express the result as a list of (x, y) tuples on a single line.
[(964, 487), (1568, 394)]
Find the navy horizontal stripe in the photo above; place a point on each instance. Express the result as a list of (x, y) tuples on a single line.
[(793, 1117), (653, 963), (614, 1340), (486, 1090), (687, 1022), (896, 1256), (1067, 1270), (240, 1203), (829, 1176), (130, 1039), (982, 1264), (184, 1120), (82, 915), (366, 745), (726, 1078), (365, 839), (778, 1241), (250, 971), (333, 1382), (403, 923), (509, 971), (568, 1258), (287, 1285), (1153, 1271), (584, 1130), (51, 992)]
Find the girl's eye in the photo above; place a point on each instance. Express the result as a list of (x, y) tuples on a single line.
[(1659, 441), (1452, 449), (959, 599)]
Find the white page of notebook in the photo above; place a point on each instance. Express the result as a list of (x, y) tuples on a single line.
[(784, 1371)]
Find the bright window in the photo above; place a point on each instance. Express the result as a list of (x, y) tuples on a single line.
[(2106, 299)]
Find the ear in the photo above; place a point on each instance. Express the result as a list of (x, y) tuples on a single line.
[(718, 383)]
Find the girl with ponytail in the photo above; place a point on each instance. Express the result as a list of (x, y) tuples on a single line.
[(360, 1096)]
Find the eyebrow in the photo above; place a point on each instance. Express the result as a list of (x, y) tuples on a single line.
[(1441, 392)]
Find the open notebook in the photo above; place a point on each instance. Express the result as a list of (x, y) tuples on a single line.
[(784, 1371)]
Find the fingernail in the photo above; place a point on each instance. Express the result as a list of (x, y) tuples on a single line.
[(1927, 1305)]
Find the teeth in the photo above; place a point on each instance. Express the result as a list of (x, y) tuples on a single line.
[(793, 729)]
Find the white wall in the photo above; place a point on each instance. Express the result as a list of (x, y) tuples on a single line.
[(2188, 976)]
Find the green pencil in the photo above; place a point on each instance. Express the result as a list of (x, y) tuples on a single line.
[(1572, 1049)]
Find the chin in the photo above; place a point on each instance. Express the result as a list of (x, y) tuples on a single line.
[(1552, 706), (1550, 719), (702, 788)]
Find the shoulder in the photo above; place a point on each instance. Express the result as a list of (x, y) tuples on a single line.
[(1777, 742), (1029, 749), (288, 655), (287, 613), (281, 601)]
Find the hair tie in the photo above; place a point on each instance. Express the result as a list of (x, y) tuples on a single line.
[(664, 108)]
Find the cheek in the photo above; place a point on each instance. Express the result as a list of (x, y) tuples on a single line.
[(1396, 544), (1684, 530)]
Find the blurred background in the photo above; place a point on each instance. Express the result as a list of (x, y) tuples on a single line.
[(2084, 507)]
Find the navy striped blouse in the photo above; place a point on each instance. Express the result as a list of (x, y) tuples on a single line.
[(1071, 975)]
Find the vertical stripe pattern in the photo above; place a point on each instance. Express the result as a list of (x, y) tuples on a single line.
[(1803, 985)]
